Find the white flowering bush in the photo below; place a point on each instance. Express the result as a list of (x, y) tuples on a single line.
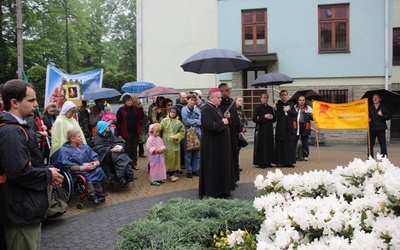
[(353, 207)]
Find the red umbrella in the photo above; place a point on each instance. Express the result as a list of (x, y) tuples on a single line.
[(159, 90)]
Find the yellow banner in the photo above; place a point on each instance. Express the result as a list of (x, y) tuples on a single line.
[(351, 115)]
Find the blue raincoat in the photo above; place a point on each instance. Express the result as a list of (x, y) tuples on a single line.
[(68, 156)]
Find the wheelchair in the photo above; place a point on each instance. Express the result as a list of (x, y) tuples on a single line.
[(110, 171), (73, 184)]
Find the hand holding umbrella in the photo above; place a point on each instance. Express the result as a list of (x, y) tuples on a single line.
[(271, 79)]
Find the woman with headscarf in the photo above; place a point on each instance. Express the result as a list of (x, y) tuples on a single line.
[(111, 152), (173, 132), (64, 122)]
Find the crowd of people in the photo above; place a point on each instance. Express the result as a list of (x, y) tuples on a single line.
[(293, 123), (103, 146)]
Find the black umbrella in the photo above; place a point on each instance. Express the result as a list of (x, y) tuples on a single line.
[(390, 99), (309, 94), (216, 61), (271, 79)]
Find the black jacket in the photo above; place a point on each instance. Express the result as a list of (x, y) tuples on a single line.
[(234, 121), (378, 123), (23, 197)]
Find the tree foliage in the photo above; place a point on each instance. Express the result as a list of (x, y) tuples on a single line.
[(37, 77), (101, 34)]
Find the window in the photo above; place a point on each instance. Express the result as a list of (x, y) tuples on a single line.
[(334, 95), (333, 26), (396, 46), (254, 31)]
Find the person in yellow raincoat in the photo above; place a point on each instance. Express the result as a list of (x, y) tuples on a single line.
[(173, 132)]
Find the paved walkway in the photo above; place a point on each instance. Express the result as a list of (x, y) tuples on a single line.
[(96, 226)]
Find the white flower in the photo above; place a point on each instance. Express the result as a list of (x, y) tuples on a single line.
[(355, 201), (285, 236), (362, 240), (259, 182), (236, 237)]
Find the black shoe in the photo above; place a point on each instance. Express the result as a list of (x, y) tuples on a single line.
[(195, 173), (179, 171), (288, 166), (262, 166), (130, 178), (93, 198), (240, 169), (189, 175), (101, 195), (123, 181), (142, 156)]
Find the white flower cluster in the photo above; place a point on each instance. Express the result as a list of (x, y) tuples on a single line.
[(353, 207), (235, 238)]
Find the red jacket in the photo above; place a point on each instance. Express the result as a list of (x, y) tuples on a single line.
[(121, 120)]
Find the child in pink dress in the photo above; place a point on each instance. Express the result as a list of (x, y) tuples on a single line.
[(156, 149), (110, 117)]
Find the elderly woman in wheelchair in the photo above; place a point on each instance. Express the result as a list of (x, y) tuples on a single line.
[(79, 158), (113, 158)]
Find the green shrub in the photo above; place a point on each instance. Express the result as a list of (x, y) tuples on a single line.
[(188, 224), (130, 78)]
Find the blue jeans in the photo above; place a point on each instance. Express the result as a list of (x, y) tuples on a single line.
[(192, 160), (381, 135), (304, 145)]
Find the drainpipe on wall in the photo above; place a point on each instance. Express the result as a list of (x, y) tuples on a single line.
[(386, 44), (139, 41)]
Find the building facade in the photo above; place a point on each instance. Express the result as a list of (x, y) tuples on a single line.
[(337, 48)]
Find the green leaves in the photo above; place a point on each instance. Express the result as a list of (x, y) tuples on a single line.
[(189, 224), (101, 34)]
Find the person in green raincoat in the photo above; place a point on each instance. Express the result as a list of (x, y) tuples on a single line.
[(173, 132)]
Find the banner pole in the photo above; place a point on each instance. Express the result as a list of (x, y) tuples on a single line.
[(369, 142), (317, 138)]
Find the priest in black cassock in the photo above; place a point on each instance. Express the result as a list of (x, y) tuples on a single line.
[(284, 133), (229, 109), (264, 149), (215, 152)]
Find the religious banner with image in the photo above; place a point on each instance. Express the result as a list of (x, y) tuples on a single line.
[(61, 87)]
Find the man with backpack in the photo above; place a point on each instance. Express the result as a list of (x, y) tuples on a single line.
[(23, 177)]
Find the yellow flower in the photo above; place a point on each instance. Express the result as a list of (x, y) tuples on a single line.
[(217, 245)]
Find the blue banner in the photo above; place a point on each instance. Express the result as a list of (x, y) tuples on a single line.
[(61, 87)]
